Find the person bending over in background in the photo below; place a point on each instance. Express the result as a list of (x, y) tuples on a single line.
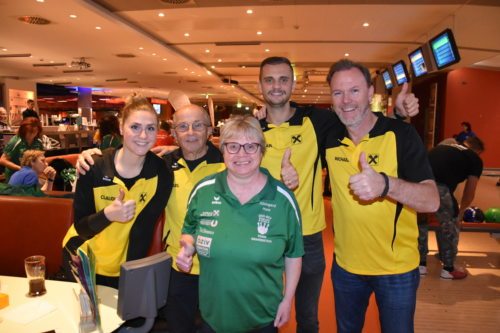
[(121, 197), (33, 165), (245, 227), (451, 165)]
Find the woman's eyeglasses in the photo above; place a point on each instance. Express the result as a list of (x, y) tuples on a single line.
[(234, 147)]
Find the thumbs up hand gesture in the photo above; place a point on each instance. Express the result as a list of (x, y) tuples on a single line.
[(184, 259), (289, 175), (406, 103), (368, 184), (120, 211)]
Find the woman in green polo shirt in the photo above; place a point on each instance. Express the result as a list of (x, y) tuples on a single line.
[(28, 138), (245, 227)]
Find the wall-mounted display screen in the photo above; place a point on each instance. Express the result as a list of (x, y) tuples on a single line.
[(418, 63), (400, 72), (387, 79), (444, 49)]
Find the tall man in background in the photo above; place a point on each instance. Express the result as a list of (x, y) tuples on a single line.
[(30, 110)]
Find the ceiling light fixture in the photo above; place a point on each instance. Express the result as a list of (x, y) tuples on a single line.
[(267, 50), (5, 50), (73, 16), (153, 54), (164, 59), (259, 32), (186, 34), (213, 67), (249, 11), (98, 28), (161, 14), (366, 24), (219, 60), (207, 51), (141, 48), (346, 54)]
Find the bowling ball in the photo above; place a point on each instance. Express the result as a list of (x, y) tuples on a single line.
[(492, 215), (473, 214)]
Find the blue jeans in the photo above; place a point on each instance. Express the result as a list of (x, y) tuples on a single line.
[(396, 297), (309, 286)]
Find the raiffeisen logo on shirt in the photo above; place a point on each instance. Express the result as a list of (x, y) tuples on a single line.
[(296, 139)]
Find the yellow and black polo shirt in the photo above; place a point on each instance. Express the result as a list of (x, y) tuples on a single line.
[(379, 237), (184, 182), (113, 242), (305, 133)]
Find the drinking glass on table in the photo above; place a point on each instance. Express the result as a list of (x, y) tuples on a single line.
[(35, 271)]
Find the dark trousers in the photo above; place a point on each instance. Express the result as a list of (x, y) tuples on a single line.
[(182, 303), (309, 286)]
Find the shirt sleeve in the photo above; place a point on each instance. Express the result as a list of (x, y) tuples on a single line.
[(87, 221), (191, 221), (294, 244)]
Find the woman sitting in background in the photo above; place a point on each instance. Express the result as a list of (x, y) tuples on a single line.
[(109, 132), (33, 165), (27, 138)]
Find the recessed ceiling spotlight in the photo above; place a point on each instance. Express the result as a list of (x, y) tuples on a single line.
[(52, 61), (267, 50), (207, 51), (259, 32), (98, 28), (366, 24), (40, 1), (219, 60), (212, 66), (5, 50), (73, 16), (164, 59), (161, 14), (303, 96), (185, 69), (153, 54), (192, 72), (186, 34), (141, 48), (249, 11), (346, 54), (243, 66)]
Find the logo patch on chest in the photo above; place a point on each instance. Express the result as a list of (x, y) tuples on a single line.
[(296, 139)]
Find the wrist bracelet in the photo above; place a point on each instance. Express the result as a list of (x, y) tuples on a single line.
[(50, 179), (386, 188)]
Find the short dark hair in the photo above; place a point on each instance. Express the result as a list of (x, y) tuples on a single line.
[(30, 101), (475, 143), (467, 124), (346, 64), (275, 61)]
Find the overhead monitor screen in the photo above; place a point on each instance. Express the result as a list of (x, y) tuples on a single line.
[(444, 49), (387, 79), (400, 72), (418, 63)]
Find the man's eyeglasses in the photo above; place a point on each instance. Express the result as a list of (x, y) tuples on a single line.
[(234, 147), (197, 126)]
